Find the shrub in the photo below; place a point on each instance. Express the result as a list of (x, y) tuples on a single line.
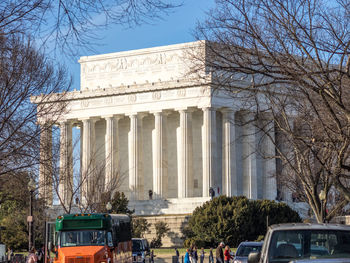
[(139, 227), (234, 219), (161, 229)]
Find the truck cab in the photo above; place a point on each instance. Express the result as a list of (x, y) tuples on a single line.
[(304, 243)]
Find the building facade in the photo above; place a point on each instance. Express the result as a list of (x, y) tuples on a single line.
[(152, 128)]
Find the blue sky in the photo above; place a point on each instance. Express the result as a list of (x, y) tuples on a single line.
[(175, 28)]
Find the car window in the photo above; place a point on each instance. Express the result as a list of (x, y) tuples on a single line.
[(244, 250), (308, 244), (109, 239), (137, 246)]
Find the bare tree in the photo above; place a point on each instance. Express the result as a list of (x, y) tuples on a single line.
[(24, 72), (84, 188), (69, 25), (291, 59)]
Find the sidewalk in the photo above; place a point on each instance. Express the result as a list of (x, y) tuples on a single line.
[(164, 258)]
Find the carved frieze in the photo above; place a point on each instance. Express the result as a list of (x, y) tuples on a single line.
[(156, 95), (85, 103), (132, 98), (108, 100), (205, 90), (181, 92), (120, 64)]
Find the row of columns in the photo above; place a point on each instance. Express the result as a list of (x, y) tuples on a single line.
[(184, 152)]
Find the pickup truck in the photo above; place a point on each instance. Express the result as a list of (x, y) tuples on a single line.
[(304, 243)]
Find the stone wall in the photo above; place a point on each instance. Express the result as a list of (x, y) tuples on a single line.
[(176, 223)]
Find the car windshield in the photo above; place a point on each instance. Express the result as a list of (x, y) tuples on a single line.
[(137, 246), (244, 250), (82, 238), (309, 244)]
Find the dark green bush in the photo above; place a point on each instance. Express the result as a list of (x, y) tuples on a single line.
[(235, 219)]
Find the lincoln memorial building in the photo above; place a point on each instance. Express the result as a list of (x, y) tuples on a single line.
[(150, 127)]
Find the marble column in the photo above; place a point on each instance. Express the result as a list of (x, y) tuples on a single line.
[(209, 149), (185, 152), (66, 164), (112, 153), (135, 157), (159, 151), (250, 180), (46, 165), (88, 168), (270, 184), (229, 177)]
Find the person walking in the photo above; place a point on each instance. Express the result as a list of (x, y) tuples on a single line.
[(151, 257), (32, 257), (9, 254), (187, 256), (40, 255), (177, 255), (202, 255), (211, 256), (194, 255), (227, 254), (220, 253)]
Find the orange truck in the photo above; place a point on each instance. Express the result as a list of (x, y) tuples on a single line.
[(93, 238)]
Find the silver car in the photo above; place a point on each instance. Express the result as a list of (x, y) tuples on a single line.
[(304, 243), (244, 249)]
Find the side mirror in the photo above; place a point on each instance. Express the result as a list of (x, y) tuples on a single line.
[(254, 257)]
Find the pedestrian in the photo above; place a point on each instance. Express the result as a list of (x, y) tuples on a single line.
[(40, 255), (152, 256), (177, 255), (202, 255), (211, 256), (9, 254), (187, 256), (227, 254), (194, 255), (220, 253), (32, 258)]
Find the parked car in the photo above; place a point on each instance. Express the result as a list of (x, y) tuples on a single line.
[(140, 249), (244, 249), (304, 243)]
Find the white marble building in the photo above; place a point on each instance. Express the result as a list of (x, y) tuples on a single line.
[(148, 123)]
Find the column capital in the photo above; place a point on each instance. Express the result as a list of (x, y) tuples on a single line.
[(160, 112), (227, 110), (42, 122), (64, 122), (186, 109), (92, 119), (112, 116), (137, 114), (209, 108)]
